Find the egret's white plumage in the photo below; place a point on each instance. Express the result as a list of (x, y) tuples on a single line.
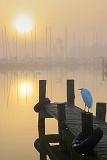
[(87, 97)]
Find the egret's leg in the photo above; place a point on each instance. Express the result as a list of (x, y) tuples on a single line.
[(85, 107), (88, 109)]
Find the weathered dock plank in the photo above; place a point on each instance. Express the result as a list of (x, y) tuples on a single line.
[(73, 122)]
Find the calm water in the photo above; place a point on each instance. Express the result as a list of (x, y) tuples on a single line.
[(19, 93)]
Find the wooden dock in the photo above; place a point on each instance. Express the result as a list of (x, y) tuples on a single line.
[(73, 122), (69, 124)]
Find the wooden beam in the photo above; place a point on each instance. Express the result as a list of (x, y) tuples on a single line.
[(70, 92), (87, 124), (42, 89), (61, 124), (41, 118), (101, 111)]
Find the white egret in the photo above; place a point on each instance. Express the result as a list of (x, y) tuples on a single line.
[(87, 98)]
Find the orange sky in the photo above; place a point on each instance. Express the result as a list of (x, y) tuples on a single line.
[(80, 14)]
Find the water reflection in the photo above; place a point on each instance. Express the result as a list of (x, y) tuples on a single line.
[(18, 95), (25, 88)]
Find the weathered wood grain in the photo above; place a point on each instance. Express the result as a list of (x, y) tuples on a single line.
[(73, 122)]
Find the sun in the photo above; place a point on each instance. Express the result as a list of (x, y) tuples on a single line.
[(23, 24)]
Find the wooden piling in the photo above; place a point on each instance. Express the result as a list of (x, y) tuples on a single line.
[(68, 127), (70, 92), (87, 124), (42, 89), (101, 111), (41, 118), (61, 125)]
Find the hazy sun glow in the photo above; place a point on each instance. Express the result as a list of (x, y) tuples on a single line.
[(23, 24), (25, 88)]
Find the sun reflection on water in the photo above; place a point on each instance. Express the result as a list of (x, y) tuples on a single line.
[(25, 89)]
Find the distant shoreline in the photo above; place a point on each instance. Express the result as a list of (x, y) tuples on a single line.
[(48, 64)]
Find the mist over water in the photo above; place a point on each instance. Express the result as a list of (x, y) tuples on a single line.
[(50, 44), (53, 55), (55, 58), (19, 93), (68, 41)]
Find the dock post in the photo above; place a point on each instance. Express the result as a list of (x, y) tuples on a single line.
[(101, 111), (41, 118), (87, 124), (70, 92), (61, 125)]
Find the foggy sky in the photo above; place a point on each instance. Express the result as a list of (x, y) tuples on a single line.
[(85, 20), (82, 15)]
